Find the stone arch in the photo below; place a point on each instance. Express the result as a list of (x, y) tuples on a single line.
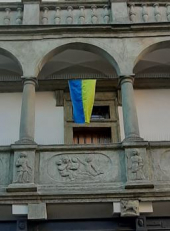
[(150, 48), (79, 46), (12, 57)]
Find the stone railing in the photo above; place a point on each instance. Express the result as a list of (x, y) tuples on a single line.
[(11, 14), (143, 12), (102, 169), (75, 13)]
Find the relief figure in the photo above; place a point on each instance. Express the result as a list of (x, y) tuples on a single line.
[(136, 166), (73, 167), (23, 169)]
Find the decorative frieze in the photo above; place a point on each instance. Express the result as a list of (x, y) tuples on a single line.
[(73, 168)]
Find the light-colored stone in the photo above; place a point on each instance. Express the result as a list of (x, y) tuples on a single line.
[(119, 12), (31, 14), (37, 211), (129, 208), (19, 209)]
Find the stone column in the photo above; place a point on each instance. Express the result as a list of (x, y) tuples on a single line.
[(130, 119), (27, 122)]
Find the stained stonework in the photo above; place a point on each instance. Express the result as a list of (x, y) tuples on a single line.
[(160, 161), (4, 168), (23, 171), (90, 167), (129, 208), (138, 168)]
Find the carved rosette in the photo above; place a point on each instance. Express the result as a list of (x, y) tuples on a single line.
[(132, 13), (82, 15), (106, 17), (45, 16), (157, 13), (57, 17), (168, 11), (69, 15), (19, 16), (7, 16), (94, 17), (145, 15), (129, 208)]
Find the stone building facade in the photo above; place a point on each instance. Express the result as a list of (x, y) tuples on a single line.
[(114, 172)]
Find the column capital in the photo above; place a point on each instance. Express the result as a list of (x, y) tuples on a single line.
[(126, 78), (29, 80)]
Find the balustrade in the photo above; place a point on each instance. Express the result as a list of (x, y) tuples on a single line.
[(11, 14), (75, 14), (142, 12)]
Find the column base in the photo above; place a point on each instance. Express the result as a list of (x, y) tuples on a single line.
[(21, 187), (25, 141), (133, 138), (138, 184)]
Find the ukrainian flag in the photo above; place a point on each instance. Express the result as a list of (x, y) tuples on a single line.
[(82, 94)]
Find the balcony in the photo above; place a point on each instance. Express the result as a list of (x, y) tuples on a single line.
[(86, 169)]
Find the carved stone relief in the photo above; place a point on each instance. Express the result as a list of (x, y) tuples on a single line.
[(138, 168), (135, 166), (4, 168), (129, 208), (79, 167), (161, 160), (24, 171)]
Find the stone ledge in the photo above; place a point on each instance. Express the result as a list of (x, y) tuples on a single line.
[(30, 187)]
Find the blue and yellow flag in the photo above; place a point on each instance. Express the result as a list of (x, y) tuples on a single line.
[(82, 94)]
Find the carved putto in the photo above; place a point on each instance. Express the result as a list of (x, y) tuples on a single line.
[(24, 171), (72, 168), (135, 166), (129, 208)]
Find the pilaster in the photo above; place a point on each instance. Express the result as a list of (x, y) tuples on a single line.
[(119, 11), (31, 14)]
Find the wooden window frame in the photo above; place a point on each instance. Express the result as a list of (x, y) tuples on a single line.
[(101, 99)]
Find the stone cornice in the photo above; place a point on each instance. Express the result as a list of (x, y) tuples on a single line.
[(98, 30), (76, 4)]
